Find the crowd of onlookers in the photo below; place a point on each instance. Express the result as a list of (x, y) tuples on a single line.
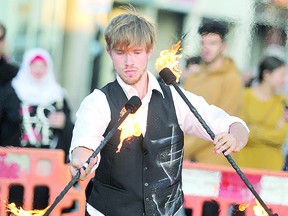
[(35, 113), (260, 101)]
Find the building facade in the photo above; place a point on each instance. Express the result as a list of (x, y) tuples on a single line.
[(72, 31)]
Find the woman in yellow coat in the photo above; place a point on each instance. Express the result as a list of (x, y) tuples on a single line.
[(265, 114)]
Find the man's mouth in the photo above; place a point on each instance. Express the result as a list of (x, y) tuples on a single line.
[(130, 72)]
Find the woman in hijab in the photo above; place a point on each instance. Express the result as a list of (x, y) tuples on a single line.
[(34, 112)]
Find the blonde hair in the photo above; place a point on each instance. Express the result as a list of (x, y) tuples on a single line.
[(129, 30)]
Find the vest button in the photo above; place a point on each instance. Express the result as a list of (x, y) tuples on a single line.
[(145, 152), (146, 184), (145, 168), (147, 199)]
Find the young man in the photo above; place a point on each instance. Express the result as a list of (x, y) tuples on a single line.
[(144, 178), (218, 81)]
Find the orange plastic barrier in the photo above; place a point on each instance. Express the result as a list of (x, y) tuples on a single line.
[(33, 167), (203, 182)]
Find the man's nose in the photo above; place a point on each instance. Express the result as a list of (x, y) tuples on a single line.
[(129, 59)]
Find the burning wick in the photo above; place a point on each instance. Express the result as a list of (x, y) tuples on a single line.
[(258, 210), (242, 207), (129, 128), (170, 59), (20, 212)]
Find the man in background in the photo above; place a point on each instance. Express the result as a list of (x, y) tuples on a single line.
[(7, 70), (218, 81)]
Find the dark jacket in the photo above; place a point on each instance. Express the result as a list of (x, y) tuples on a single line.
[(12, 124), (7, 71)]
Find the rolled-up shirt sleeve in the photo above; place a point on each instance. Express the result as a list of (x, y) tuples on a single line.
[(92, 119), (217, 119)]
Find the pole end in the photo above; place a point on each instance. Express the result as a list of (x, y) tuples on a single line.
[(133, 104), (167, 76)]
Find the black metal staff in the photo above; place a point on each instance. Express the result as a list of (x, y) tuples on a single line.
[(169, 78), (131, 107)]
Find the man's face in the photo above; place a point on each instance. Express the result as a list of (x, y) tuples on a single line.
[(130, 64), (212, 47)]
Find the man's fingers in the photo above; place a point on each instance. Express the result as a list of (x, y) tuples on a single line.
[(224, 143), (85, 172)]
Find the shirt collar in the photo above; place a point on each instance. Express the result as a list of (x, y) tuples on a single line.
[(153, 84)]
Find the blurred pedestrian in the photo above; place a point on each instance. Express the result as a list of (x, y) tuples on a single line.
[(265, 113), (218, 81), (7, 70), (35, 112)]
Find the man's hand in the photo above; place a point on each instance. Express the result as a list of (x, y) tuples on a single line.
[(78, 158), (233, 141), (224, 141)]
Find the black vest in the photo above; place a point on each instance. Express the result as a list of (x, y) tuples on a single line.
[(144, 178)]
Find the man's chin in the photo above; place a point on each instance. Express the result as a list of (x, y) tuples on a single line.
[(130, 81)]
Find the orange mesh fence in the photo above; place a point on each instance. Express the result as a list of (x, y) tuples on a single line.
[(39, 167), (202, 183), (33, 167)]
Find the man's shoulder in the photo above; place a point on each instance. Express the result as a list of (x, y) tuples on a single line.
[(6, 90), (4, 63), (7, 71), (231, 65), (7, 87)]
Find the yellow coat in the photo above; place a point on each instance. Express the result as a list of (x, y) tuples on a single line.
[(264, 147), (222, 88)]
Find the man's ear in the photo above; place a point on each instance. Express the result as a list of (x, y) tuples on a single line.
[(149, 52), (224, 47), (266, 74), (108, 51)]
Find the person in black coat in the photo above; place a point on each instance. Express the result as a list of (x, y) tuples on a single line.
[(7, 70)]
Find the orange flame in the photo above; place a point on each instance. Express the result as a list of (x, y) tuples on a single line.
[(170, 59), (242, 207), (20, 212), (129, 128), (258, 210)]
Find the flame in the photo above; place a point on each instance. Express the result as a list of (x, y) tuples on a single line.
[(170, 59), (129, 128), (20, 212), (259, 210), (242, 207)]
